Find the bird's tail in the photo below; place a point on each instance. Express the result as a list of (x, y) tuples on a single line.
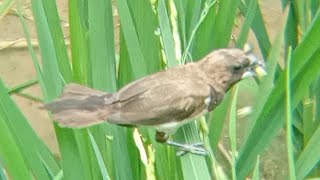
[(79, 106)]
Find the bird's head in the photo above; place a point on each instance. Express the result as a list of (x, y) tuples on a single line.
[(225, 67)]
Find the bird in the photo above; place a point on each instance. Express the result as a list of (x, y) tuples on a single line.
[(164, 101)]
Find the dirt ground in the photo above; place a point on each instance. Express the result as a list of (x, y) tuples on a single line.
[(16, 67)]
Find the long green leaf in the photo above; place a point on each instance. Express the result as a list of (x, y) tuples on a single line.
[(25, 138), (193, 166), (45, 153), (102, 166), (146, 24), (166, 34), (53, 81), (102, 69), (288, 111), (309, 157), (256, 173), (258, 27), (264, 90), (79, 40), (216, 121), (250, 15), (137, 61), (78, 19), (102, 75), (232, 130), (292, 34), (51, 74), (270, 119), (60, 50), (10, 155), (217, 27)]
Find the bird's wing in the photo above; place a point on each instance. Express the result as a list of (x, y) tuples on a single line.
[(159, 102)]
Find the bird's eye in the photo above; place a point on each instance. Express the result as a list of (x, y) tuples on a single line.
[(236, 68)]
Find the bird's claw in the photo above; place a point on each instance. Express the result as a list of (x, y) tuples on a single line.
[(196, 148)]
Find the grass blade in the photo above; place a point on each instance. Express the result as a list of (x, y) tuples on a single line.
[(102, 74), (216, 121), (53, 81), (224, 23), (264, 91), (309, 157), (259, 28), (11, 157), (79, 40), (137, 61), (289, 110), (217, 27), (232, 130), (23, 86), (60, 50), (193, 166), (146, 24), (304, 71), (28, 142), (166, 35), (103, 168), (256, 173), (249, 17)]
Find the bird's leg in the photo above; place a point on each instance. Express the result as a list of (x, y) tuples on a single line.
[(196, 148)]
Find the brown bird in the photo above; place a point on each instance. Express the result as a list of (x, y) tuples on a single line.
[(164, 101)]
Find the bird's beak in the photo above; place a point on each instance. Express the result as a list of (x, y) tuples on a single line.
[(256, 68)]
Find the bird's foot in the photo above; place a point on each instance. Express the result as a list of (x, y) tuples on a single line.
[(196, 148)]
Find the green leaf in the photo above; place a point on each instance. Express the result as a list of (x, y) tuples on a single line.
[(22, 135), (53, 80), (194, 167), (232, 130), (264, 90), (249, 17), (137, 61), (146, 24), (10, 155), (166, 34), (79, 40), (102, 166), (289, 111), (270, 119), (292, 34), (102, 69), (256, 173), (50, 70), (215, 31), (216, 121), (223, 23), (56, 35), (23, 86), (258, 28), (309, 157)]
